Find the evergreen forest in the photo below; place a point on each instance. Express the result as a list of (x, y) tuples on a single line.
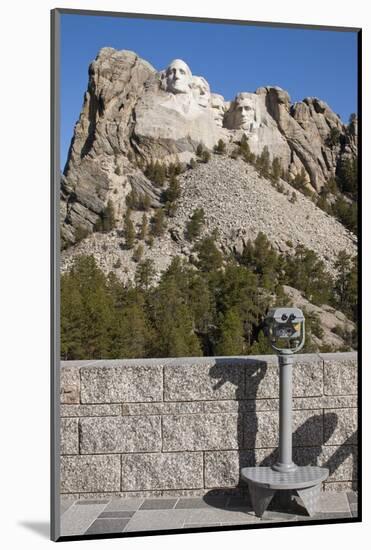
[(214, 305)]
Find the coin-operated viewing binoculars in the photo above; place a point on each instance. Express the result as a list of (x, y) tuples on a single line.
[(285, 329)]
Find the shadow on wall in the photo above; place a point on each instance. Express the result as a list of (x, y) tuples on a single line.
[(247, 423)]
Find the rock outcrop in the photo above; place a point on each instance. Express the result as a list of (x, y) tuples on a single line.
[(306, 127), (133, 115), (98, 157), (238, 204)]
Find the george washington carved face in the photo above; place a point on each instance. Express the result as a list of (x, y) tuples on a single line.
[(178, 77)]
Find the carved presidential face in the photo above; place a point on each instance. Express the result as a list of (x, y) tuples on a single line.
[(218, 108), (178, 77), (244, 112), (201, 91)]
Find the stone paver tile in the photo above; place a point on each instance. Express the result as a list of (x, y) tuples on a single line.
[(116, 514), (352, 497), (112, 525), (158, 504), (128, 504), (333, 502), (77, 519), (239, 502), (276, 519), (277, 515), (216, 516), (147, 520), (88, 502), (333, 515), (200, 525), (229, 524), (199, 502), (65, 503)]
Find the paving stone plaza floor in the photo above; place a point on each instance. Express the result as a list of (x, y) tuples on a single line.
[(124, 515)]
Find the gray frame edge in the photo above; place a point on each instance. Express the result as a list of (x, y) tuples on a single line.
[(195, 19), (55, 277)]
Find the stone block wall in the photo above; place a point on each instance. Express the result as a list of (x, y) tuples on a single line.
[(156, 427)]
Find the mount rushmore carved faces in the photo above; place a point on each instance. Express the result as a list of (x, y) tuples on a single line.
[(191, 95)]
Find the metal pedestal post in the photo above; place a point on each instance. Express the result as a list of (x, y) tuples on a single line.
[(285, 463), (285, 476)]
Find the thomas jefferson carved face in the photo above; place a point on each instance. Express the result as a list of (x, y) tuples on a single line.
[(201, 91), (178, 77), (219, 108)]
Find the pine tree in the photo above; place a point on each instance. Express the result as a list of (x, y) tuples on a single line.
[(333, 137), (220, 147), (173, 192), (205, 156), (346, 213), (346, 286), (71, 315), (130, 331), (172, 322), (158, 223), (149, 171), (293, 198), (146, 202), (86, 311), (145, 274), (132, 200), (199, 150), (263, 162), (108, 218), (237, 289), (143, 228), (209, 256), (306, 272), (348, 177), (194, 225), (138, 253), (276, 169), (300, 180), (171, 208), (231, 340), (81, 233), (159, 173), (129, 231), (261, 258)]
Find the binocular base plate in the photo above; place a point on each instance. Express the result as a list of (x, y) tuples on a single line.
[(263, 482)]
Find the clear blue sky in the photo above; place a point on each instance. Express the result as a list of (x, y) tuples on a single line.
[(232, 58)]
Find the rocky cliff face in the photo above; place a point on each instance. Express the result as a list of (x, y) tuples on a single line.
[(133, 115), (238, 204)]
